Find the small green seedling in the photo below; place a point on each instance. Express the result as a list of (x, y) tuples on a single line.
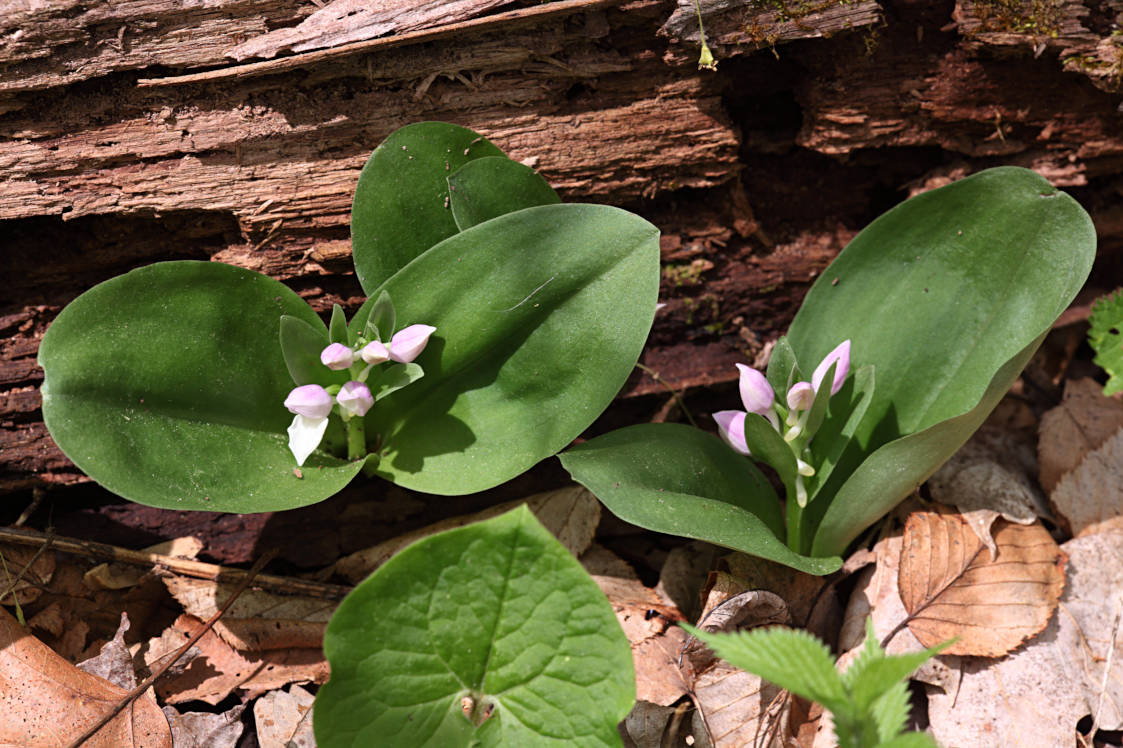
[(1106, 338)]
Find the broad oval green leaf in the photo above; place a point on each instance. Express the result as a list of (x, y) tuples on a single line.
[(540, 316), (941, 294), (166, 385), (680, 480), (486, 188), (401, 206), (498, 613)]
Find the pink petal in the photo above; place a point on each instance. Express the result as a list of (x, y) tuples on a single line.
[(337, 357), (841, 354), (756, 392), (355, 398), (310, 401), (731, 426), (801, 396), (375, 353), (408, 343)]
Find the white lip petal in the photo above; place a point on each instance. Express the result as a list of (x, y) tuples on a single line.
[(305, 435)]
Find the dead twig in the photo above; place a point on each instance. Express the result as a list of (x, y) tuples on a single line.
[(182, 566), (132, 695)]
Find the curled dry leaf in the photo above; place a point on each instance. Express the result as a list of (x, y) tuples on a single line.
[(205, 729), (991, 476), (47, 702), (1036, 695), (1090, 497), (951, 587), (571, 514), (114, 663), (1083, 421)]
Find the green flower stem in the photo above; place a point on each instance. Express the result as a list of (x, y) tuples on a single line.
[(794, 517), (356, 438)]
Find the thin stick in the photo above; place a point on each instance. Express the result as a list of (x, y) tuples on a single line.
[(563, 7), (674, 393), (47, 540), (132, 695), (184, 567)]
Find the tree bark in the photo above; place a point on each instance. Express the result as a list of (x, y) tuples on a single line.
[(146, 130)]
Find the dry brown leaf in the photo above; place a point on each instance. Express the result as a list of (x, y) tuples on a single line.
[(47, 702), (29, 587), (654, 725), (114, 663), (951, 587), (284, 719), (800, 591), (650, 624), (991, 476), (740, 709), (1082, 422), (684, 574), (571, 514), (257, 620), (1036, 695), (876, 597), (1091, 495), (219, 669), (118, 576), (206, 729)]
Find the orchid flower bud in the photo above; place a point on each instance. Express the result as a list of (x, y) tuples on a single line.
[(756, 392), (731, 426), (309, 400), (355, 398), (801, 396), (375, 353), (407, 343), (337, 357), (841, 354)]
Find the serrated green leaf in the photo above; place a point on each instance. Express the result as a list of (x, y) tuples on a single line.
[(497, 612), (540, 316), (1106, 338), (401, 206), (486, 188), (680, 480), (790, 658), (890, 710), (910, 740), (166, 385)]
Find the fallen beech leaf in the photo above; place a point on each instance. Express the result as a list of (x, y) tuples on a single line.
[(800, 591), (47, 702), (1092, 493), (206, 729), (258, 620), (219, 669), (570, 514), (118, 576), (1036, 695), (684, 573), (651, 724), (1082, 422), (951, 588), (991, 476), (876, 597), (284, 719)]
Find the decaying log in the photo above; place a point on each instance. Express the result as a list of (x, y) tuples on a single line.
[(145, 130)]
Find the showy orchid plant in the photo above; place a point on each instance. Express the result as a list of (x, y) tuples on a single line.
[(198, 385), (945, 298)]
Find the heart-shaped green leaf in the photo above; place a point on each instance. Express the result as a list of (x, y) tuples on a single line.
[(540, 316), (682, 481), (401, 205), (166, 385), (486, 188), (941, 295), (487, 635)]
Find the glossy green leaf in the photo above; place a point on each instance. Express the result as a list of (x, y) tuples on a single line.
[(486, 188), (941, 295), (682, 481), (388, 379), (166, 385), (783, 371), (301, 345), (540, 316), (401, 206), (381, 319), (769, 447), (498, 613), (338, 328)]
